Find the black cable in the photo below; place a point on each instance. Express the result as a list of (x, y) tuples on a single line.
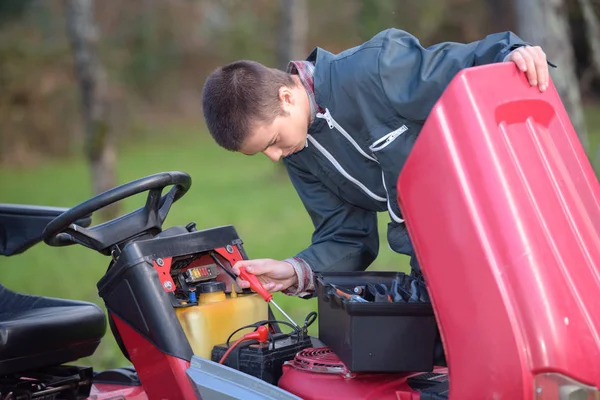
[(220, 264), (308, 321)]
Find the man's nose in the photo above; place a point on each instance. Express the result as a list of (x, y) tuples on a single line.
[(274, 154)]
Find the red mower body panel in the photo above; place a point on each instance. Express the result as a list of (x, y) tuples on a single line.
[(163, 376), (503, 208), (117, 392)]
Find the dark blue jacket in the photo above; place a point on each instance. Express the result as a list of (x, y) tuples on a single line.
[(377, 97)]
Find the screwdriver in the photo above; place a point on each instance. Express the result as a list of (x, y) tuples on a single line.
[(258, 288)]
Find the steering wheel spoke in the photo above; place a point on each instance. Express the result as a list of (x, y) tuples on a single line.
[(63, 231), (153, 203), (167, 202), (83, 236), (153, 199)]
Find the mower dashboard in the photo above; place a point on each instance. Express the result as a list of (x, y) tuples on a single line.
[(21, 225)]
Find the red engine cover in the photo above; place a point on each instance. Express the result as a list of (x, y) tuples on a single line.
[(503, 208), (318, 374)]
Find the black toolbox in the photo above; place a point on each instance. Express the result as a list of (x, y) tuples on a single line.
[(375, 336)]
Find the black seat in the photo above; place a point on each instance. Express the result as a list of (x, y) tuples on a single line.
[(40, 331)]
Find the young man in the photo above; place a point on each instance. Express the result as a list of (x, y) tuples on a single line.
[(344, 125)]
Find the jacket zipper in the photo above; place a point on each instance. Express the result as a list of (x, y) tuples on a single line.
[(342, 171), (333, 124), (396, 218), (387, 139)]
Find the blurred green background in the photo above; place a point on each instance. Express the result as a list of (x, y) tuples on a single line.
[(154, 56)]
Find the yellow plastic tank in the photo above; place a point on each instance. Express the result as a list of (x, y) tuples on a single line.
[(217, 316)]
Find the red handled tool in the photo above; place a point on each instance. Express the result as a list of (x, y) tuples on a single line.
[(258, 288)]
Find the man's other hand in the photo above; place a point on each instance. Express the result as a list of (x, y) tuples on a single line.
[(274, 275), (532, 60)]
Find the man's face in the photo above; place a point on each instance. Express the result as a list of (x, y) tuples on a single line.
[(287, 133)]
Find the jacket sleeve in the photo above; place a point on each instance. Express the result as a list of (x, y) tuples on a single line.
[(414, 77), (345, 237)]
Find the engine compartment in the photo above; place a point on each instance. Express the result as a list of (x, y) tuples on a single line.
[(214, 313), (377, 334)]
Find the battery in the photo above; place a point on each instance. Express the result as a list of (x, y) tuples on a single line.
[(263, 360)]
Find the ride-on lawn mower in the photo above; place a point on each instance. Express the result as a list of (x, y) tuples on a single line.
[(503, 209)]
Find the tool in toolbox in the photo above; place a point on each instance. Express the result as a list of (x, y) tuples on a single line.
[(256, 286), (400, 290), (349, 296), (380, 292)]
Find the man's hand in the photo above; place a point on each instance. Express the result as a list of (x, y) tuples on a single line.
[(274, 275), (532, 61)]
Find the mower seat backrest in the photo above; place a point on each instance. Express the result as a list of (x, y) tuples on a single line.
[(37, 332), (21, 225), (503, 208)]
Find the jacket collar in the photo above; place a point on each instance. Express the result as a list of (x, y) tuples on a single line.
[(305, 71), (322, 82)]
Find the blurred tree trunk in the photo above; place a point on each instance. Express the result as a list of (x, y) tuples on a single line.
[(293, 37), (593, 32), (100, 150), (544, 23), (294, 31)]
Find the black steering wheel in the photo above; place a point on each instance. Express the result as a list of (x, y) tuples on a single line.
[(63, 231)]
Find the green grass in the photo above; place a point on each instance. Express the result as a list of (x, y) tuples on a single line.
[(250, 193)]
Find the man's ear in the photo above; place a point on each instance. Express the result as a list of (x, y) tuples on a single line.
[(286, 97)]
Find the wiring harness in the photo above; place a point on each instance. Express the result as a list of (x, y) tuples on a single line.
[(263, 334)]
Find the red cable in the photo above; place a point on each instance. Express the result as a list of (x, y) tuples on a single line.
[(261, 334), (230, 349)]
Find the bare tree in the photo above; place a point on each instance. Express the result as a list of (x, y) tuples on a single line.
[(93, 83), (593, 32), (293, 37), (544, 23), (294, 31)]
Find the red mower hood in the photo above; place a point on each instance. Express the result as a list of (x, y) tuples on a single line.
[(503, 209)]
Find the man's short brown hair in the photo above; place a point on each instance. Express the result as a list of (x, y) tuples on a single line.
[(240, 94)]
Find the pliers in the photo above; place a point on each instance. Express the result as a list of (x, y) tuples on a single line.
[(380, 292)]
